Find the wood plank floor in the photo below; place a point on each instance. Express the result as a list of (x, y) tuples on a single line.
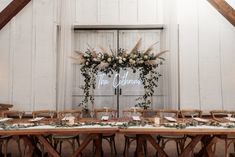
[(170, 149)]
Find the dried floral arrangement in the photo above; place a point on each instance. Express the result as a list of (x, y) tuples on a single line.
[(109, 62)]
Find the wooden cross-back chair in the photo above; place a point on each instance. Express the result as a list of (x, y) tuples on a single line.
[(164, 139), (112, 113), (219, 116), (71, 139), (5, 139), (130, 138)]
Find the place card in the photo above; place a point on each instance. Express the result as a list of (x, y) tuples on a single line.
[(105, 118), (136, 118), (170, 119)]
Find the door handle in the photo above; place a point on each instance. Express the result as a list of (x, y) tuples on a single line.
[(120, 91), (115, 91)]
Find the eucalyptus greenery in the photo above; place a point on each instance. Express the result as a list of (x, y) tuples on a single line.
[(145, 62)]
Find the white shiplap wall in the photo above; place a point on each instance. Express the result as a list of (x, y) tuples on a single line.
[(27, 58), (104, 12), (206, 57)]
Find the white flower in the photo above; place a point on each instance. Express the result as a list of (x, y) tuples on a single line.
[(145, 57), (120, 61), (135, 56), (141, 61), (95, 59), (109, 59), (133, 62), (124, 59), (130, 60), (86, 55), (87, 63), (99, 55)]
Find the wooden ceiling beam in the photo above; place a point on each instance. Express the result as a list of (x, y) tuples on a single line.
[(225, 9), (11, 10)]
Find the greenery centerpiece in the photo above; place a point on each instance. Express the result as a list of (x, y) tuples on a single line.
[(109, 62)]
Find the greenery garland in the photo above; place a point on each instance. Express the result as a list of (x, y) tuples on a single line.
[(146, 62)]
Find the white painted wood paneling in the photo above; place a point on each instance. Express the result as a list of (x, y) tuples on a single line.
[(227, 63), (128, 11), (28, 58), (147, 12), (116, 12), (108, 11), (4, 4), (188, 54), (209, 57), (204, 30), (45, 58), (4, 64), (22, 41), (87, 11)]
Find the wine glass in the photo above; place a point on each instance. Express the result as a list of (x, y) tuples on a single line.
[(229, 116), (92, 113), (20, 115), (51, 114)]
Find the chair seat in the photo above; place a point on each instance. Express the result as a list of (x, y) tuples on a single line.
[(63, 136), (130, 135), (5, 136), (172, 136), (108, 135)]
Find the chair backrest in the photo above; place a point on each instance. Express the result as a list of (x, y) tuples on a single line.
[(74, 112), (190, 112), (105, 111), (217, 114), (129, 112), (12, 113), (167, 112), (4, 107), (44, 113)]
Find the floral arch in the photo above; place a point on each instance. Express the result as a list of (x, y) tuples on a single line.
[(109, 62)]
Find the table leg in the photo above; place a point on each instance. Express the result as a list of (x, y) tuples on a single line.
[(186, 152), (31, 149), (153, 142), (209, 146), (139, 148), (98, 145), (48, 146), (86, 141)]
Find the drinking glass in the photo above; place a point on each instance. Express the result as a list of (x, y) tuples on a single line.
[(92, 113), (21, 115)]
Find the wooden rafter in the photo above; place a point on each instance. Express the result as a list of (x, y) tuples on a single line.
[(11, 10), (225, 9)]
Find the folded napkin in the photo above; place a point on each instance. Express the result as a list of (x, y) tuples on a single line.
[(136, 118), (170, 119), (201, 120), (5, 119), (36, 119), (230, 119)]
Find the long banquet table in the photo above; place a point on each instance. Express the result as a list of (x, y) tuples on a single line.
[(143, 133)]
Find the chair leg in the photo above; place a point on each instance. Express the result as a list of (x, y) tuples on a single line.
[(111, 146), (114, 146), (145, 148), (226, 148), (5, 143)]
